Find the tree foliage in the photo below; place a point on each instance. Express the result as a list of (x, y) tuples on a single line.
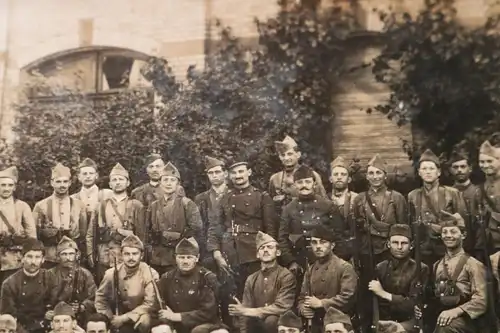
[(443, 75)]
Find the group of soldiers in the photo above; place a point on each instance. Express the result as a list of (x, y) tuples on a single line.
[(237, 258)]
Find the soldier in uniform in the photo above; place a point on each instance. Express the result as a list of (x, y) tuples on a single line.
[(268, 293), (7, 324), (208, 201), (427, 203), (97, 323), (135, 290), (328, 282), (460, 169), (397, 278), (343, 198), (16, 224), (73, 284), (281, 184), (299, 217), (60, 215), (289, 322), (27, 293), (117, 217), (169, 219), (459, 282), (337, 321), (64, 320), (151, 191), (189, 291)]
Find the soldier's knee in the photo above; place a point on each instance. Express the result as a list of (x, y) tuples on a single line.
[(161, 329), (220, 330), (271, 323)]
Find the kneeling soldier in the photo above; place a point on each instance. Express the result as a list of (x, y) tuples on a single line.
[(64, 320)]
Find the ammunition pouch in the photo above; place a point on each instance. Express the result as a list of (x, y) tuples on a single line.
[(380, 229), (165, 238), (50, 236), (448, 294)]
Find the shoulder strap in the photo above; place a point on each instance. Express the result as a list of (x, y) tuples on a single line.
[(6, 222), (372, 207), (429, 203), (49, 210), (488, 199), (460, 266)]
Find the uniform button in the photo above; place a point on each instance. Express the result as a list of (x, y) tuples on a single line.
[(24, 294), (265, 279), (247, 204), (249, 193), (315, 200), (323, 280)]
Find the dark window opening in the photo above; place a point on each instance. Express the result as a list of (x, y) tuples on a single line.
[(116, 71)]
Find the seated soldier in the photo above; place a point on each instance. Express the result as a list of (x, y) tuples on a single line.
[(330, 281), (337, 322), (64, 320), (289, 322), (189, 294), (268, 292), (8, 324), (97, 323)]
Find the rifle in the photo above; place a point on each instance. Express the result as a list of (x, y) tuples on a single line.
[(491, 294), (417, 222), (356, 260), (95, 245), (371, 265), (75, 292), (157, 292), (116, 290), (309, 328), (147, 241)]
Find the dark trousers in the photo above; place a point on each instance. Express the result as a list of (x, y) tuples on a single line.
[(268, 324)]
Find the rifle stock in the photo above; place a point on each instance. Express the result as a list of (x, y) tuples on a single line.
[(116, 290), (372, 276), (309, 293), (417, 222)]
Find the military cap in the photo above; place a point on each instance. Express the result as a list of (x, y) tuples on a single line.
[(290, 319), (8, 322), (60, 171), (11, 173), (303, 172), (212, 162), (287, 144), (119, 170), (151, 158), (456, 156), (237, 162), (334, 315), (339, 162), (87, 163), (171, 171), (322, 232), (389, 326), (488, 149), (187, 246), (64, 309), (400, 230), (429, 156), (263, 238), (378, 162), (33, 244), (132, 241), (451, 220), (66, 243)]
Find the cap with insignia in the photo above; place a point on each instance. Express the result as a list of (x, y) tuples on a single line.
[(400, 230), (290, 319), (237, 161), (64, 309), (132, 241), (88, 163), (263, 238), (187, 246), (429, 156), (66, 243), (119, 170), (285, 145), (151, 158), (212, 162), (389, 326), (8, 322), (33, 244), (451, 220), (322, 232), (171, 171), (60, 171), (488, 149), (378, 162), (334, 315), (303, 172), (457, 156), (339, 162), (11, 173)]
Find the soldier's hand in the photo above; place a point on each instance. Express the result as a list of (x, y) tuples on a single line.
[(417, 311), (49, 315), (313, 302), (219, 259), (376, 287), (295, 269), (76, 307), (119, 321), (124, 232), (308, 312), (278, 198), (447, 316)]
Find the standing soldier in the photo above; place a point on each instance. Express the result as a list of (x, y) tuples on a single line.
[(427, 203), (16, 224), (60, 215), (268, 293), (73, 284), (26, 293), (151, 191), (208, 201), (133, 281), (343, 198), (170, 218), (117, 217), (460, 169), (243, 212), (281, 184), (299, 217)]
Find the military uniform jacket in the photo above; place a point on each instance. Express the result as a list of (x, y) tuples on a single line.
[(298, 218), (490, 199), (345, 204), (137, 296), (172, 219), (92, 197), (389, 207), (240, 216), (68, 215), (471, 197), (19, 222), (148, 193), (129, 215), (27, 297), (192, 294), (399, 278), (76, 281), (282, 183), (427, 204), (333, 281)]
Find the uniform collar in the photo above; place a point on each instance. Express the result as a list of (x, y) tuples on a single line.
[(7, 201), (244, 190), (90, 190), (381, 189), (433, 187), (113, 197), (269, 270), (463, 186)]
